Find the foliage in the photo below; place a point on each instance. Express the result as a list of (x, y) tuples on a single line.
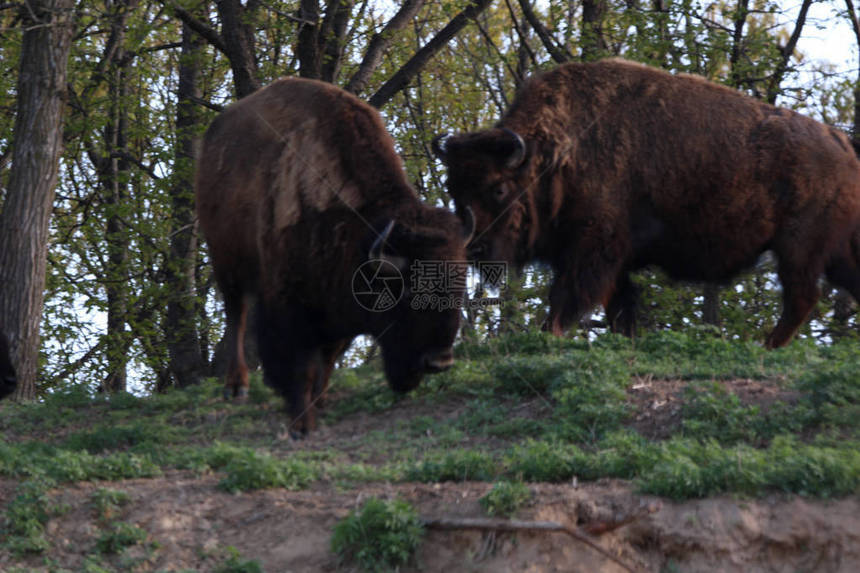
[(124, 190), (380, 536), (107, 502), (505, 499), (26, 515), (119, 536), (235, 564)]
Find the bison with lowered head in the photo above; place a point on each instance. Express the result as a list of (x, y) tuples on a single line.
[(298, 185), (600, 169), (8, 381)]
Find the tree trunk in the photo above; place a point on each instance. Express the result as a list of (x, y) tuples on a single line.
[(115, 183), (183, 342), (238, 38), (711, 306), (593, 42), (26, 215)]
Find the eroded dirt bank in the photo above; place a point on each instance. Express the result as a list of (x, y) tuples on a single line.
[(193, 522)]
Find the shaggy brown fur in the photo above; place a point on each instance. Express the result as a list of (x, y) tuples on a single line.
[(627, 166), (294, 184), (8, 381)]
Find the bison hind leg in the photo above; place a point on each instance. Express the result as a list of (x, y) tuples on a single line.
[(290, 366), (844, 269), (800, 292), (236, 380)]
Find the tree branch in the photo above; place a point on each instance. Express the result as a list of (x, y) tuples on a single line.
[(560, 55), (405, 74), (206, 31), (523, 39), (787, 51), (518, 526), (379, 43)]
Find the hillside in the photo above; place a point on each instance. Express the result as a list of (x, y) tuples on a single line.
[(697, 454)]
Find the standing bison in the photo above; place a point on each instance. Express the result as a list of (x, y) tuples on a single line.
[(8, 381), (298, 185), (600, 169)]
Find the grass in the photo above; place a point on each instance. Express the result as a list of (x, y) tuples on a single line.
[(528, 407)]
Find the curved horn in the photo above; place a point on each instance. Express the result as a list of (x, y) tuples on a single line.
[(468, 226), (379, 244), (438, 146), (519, 154)]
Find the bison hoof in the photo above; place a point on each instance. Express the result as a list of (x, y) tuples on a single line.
[(228, 392), (298, 435), (241, 395)]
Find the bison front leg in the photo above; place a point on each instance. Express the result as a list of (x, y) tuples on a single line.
[(621, 306), (329, 355), (800, 292), (586, 278)]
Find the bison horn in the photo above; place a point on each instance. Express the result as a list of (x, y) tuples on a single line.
[(379, 244), (468, 226), (515, 159), (438, 146)]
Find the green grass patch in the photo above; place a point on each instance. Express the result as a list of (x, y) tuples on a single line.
[(248, 470), (455, 465), (379, 537)]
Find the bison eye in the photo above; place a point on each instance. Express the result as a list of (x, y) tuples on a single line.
[(499, 192)]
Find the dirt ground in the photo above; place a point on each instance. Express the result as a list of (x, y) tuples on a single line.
[(194, 522), (285, 531)]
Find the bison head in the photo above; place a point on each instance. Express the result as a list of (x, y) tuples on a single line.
[(423, 262), (487, 173)]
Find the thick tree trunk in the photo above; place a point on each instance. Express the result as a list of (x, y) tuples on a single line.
[(26, 214), (183, 342), (238, 41)]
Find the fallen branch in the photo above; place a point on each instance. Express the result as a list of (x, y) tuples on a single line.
[(601, 527), (514, 526)]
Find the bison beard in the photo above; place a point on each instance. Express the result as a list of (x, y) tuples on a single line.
[(297, 186), (601, 169), (8, 381)]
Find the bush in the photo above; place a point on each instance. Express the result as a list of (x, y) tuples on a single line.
[(505, 499), (120, 536), (382, 536)]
